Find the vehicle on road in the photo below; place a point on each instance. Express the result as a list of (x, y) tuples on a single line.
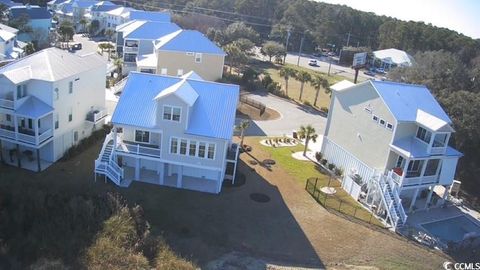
[(77, 46), (313, 63), (369, 73), (380, 70)]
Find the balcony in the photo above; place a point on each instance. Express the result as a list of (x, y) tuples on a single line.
[(96, 115), (7, 103), (413, 177), (149, 150), (25, 135), (133, 49)]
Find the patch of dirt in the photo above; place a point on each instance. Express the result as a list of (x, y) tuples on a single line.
[(246, 111)]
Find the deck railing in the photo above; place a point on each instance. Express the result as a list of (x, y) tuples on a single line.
[(8, 104), (137, 149)]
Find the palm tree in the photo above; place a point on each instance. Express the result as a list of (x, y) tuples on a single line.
[(242, 127), (307, 133), (83, 22), (118, 63), (286, 73), (303, 76), (318, 82)]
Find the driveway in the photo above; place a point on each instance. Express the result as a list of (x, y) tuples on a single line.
[(292, 116)]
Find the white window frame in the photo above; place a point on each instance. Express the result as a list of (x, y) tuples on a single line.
[(214, 151), (172, 108), (180, 72), (141, 130), (70, 87), (186, 147), (389, 126), (198, 57), (375, 120), (190, 144), (177, 147), (204, 151), (163, 71), (384, 124), (56, 92), (190, 53), (70, 115)]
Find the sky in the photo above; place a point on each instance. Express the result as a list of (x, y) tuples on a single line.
[(459, 15)]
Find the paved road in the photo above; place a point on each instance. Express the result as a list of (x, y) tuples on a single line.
[(292, 116), (91, 46)]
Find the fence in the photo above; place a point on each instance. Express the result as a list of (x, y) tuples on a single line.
[(260, 106), (332, 202)]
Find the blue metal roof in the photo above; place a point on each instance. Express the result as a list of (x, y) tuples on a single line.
[(158, 16), (33, 12), (104, 8), (34, 108), (9, 3), (153, 30), (191, 41), (404, 100), (212, 114), (84, 3)]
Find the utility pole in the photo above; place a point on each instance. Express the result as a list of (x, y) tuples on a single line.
[(300, 51), (348, 39), (286, 45), (358, 44), (329, 64)]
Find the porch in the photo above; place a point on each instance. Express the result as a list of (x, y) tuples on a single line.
[(23, 157)]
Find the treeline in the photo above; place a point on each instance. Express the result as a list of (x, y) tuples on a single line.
[(42, 228)]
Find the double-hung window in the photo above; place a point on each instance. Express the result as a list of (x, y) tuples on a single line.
[(201, 149), (198, 58), (211, 151), (424, 134), (70, 87), (192, 149), (183, 147), (142, 136), (171, 113), (173, 146)]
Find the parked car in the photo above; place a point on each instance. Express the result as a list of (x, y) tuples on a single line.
[(331, 54), (77, 46), (313, 62), (380, 70), (369, 73)]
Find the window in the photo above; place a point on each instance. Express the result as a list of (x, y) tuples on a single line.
[(130, 57), (375, 118), (56, 94), (432, 166), (142, 136), (30, 123), (192, 149), (440, 140), (382, 122), (183, 147), (147, 70), (9, 117), (163, 71), (70, 87), (190, 53), (173, 146), (400, 162), (180, 72), (171, 113), (198, 58), (211, 151), (39, 124), (201, 149), (424, 135), (389, 126), (176, 114), (21, 91), (75, 136), (368, 109), (70, 115), (56, 121), (414, 168)]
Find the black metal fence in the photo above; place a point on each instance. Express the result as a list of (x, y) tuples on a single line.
[(260, 106), (333, 202)]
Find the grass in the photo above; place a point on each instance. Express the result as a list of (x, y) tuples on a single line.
[(302, 170)]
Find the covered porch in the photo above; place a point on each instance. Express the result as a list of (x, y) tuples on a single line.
[(424, 197), (26, 157)]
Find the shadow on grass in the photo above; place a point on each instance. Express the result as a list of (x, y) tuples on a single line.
[(203, 227)]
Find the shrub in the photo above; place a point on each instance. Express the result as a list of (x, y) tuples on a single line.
[(338, 171), (331, 166), (266, 81), (274, 88), (323, 161), (85, 143), (318, 156), (167, 259), (324, 109), (307, 103)]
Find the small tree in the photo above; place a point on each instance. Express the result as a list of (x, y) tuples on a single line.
[(118, 63), (308, 133), (235, 56), (84, 23), (286, 73), (109, 33), (303, 76), (242, 127), (94, 26), (29, 48), (318, 82), (272, 48), (66, 30)]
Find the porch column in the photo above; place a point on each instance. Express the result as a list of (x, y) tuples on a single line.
[(219, 182), (414, 199), (169, 169), (15, 124), (445, 194), (19, 163), (35, 129), (429, 197), (161, 169), (114, 137), (424, 166), (179, 176), (39, 168), (137, 169)]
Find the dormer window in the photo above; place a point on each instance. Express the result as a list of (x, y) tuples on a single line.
[(424, 134), (440, 140), (172, 113)]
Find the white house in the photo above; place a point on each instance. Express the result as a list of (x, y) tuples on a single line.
[(135, 39), (98, 12), (49, 101), (10, 48), (392, 138), (116, 17), (389, 58), (172, 131)]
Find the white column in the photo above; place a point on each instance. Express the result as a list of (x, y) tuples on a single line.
[(15, 123), (137, 169), (424, 166), (169, 169), (414, 199), (429, 197), (445, 194), (219, 182), (161, 169), (114, 137), (179, 176), (35, 129)]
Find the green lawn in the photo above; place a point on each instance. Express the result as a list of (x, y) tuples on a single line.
[(302, 170)]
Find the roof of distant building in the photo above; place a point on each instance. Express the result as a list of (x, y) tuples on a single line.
[(159, 16), (33, 12), (394, 56), (146, 30), (212, 105), (187, 41)]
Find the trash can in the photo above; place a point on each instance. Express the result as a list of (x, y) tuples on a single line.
[(294, 134)]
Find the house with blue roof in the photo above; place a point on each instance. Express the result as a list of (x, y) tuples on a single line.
[(183, 51), (135, 39), (49, 101), (172, 131), (40, 21), (392, 142)]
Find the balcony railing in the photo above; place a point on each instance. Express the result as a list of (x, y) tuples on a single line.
[(130, 49), (137, 149), (438, 150), (412, 178), (7, 104), (24, 135), (96, 115)]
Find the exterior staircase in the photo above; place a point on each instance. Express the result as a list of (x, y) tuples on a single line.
[(391, 201), (106, 163)]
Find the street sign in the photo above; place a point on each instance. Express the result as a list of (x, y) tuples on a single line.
[(359, 59)]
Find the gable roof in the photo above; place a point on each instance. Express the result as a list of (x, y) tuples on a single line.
[(120, 11), (188, 41), (192, 75), (406, 100), (212, 111), (5, 35), (50, 64), (8, 28), (33, 107), (103, 6), (33, 12), (158, 16), (146, 30)]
